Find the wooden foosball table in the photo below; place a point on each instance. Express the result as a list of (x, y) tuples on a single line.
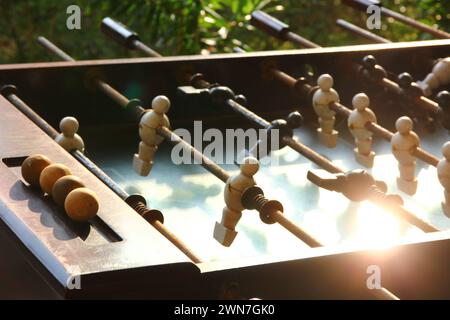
[(348, 202)]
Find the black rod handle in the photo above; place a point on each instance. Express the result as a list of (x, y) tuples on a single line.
[(119, 33), (269, 24)]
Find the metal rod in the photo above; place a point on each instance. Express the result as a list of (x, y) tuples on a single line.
[(404, 214), (423, 102), (291, 142), (54, 49), (386, 134), (268, 27), (312, 155), (247, 113), (280, 218), (283, 77), (146, 49), (198, 156), (112, 93), (296, 38), (115, 95), (362, 5), (223, 176), (373, 127), (383, 293), (416, 24), (217, 171), (99, 173), (361, 32), (377, 129), (327, 164), (162, 229)]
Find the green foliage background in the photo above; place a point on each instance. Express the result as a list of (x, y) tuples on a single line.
[(176, 27)]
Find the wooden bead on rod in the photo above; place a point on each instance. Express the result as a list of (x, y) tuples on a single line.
[(7, 91), (223, 175), (198, 156)]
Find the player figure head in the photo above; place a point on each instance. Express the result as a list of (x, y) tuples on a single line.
[(360, 101), (161, 104), (404, 125), (325, 82), (69, 126), (446, 150), (250, 166)]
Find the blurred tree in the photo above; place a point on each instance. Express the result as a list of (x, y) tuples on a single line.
[(175, 27)]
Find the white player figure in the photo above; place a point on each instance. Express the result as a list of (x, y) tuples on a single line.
[(150, 121), (404, 143), (356, 122), (68, 138), (224, 232), (321, 102), (440, 75), (443, 171)]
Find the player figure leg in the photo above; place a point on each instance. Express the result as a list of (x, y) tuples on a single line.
[(446, 203), (363, 152), (327, 134), (143, 161), (225, 232), (407, 181)]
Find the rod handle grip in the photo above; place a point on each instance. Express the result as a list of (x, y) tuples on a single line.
[(119, 32)]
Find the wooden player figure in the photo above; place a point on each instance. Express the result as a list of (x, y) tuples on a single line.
[(356, 122), (443, 171), (224, 232), (404, 143), (150, 121), (321, 102), (68, 138), (440, 75)]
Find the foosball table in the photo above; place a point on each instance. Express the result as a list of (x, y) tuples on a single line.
[(351, 200)]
